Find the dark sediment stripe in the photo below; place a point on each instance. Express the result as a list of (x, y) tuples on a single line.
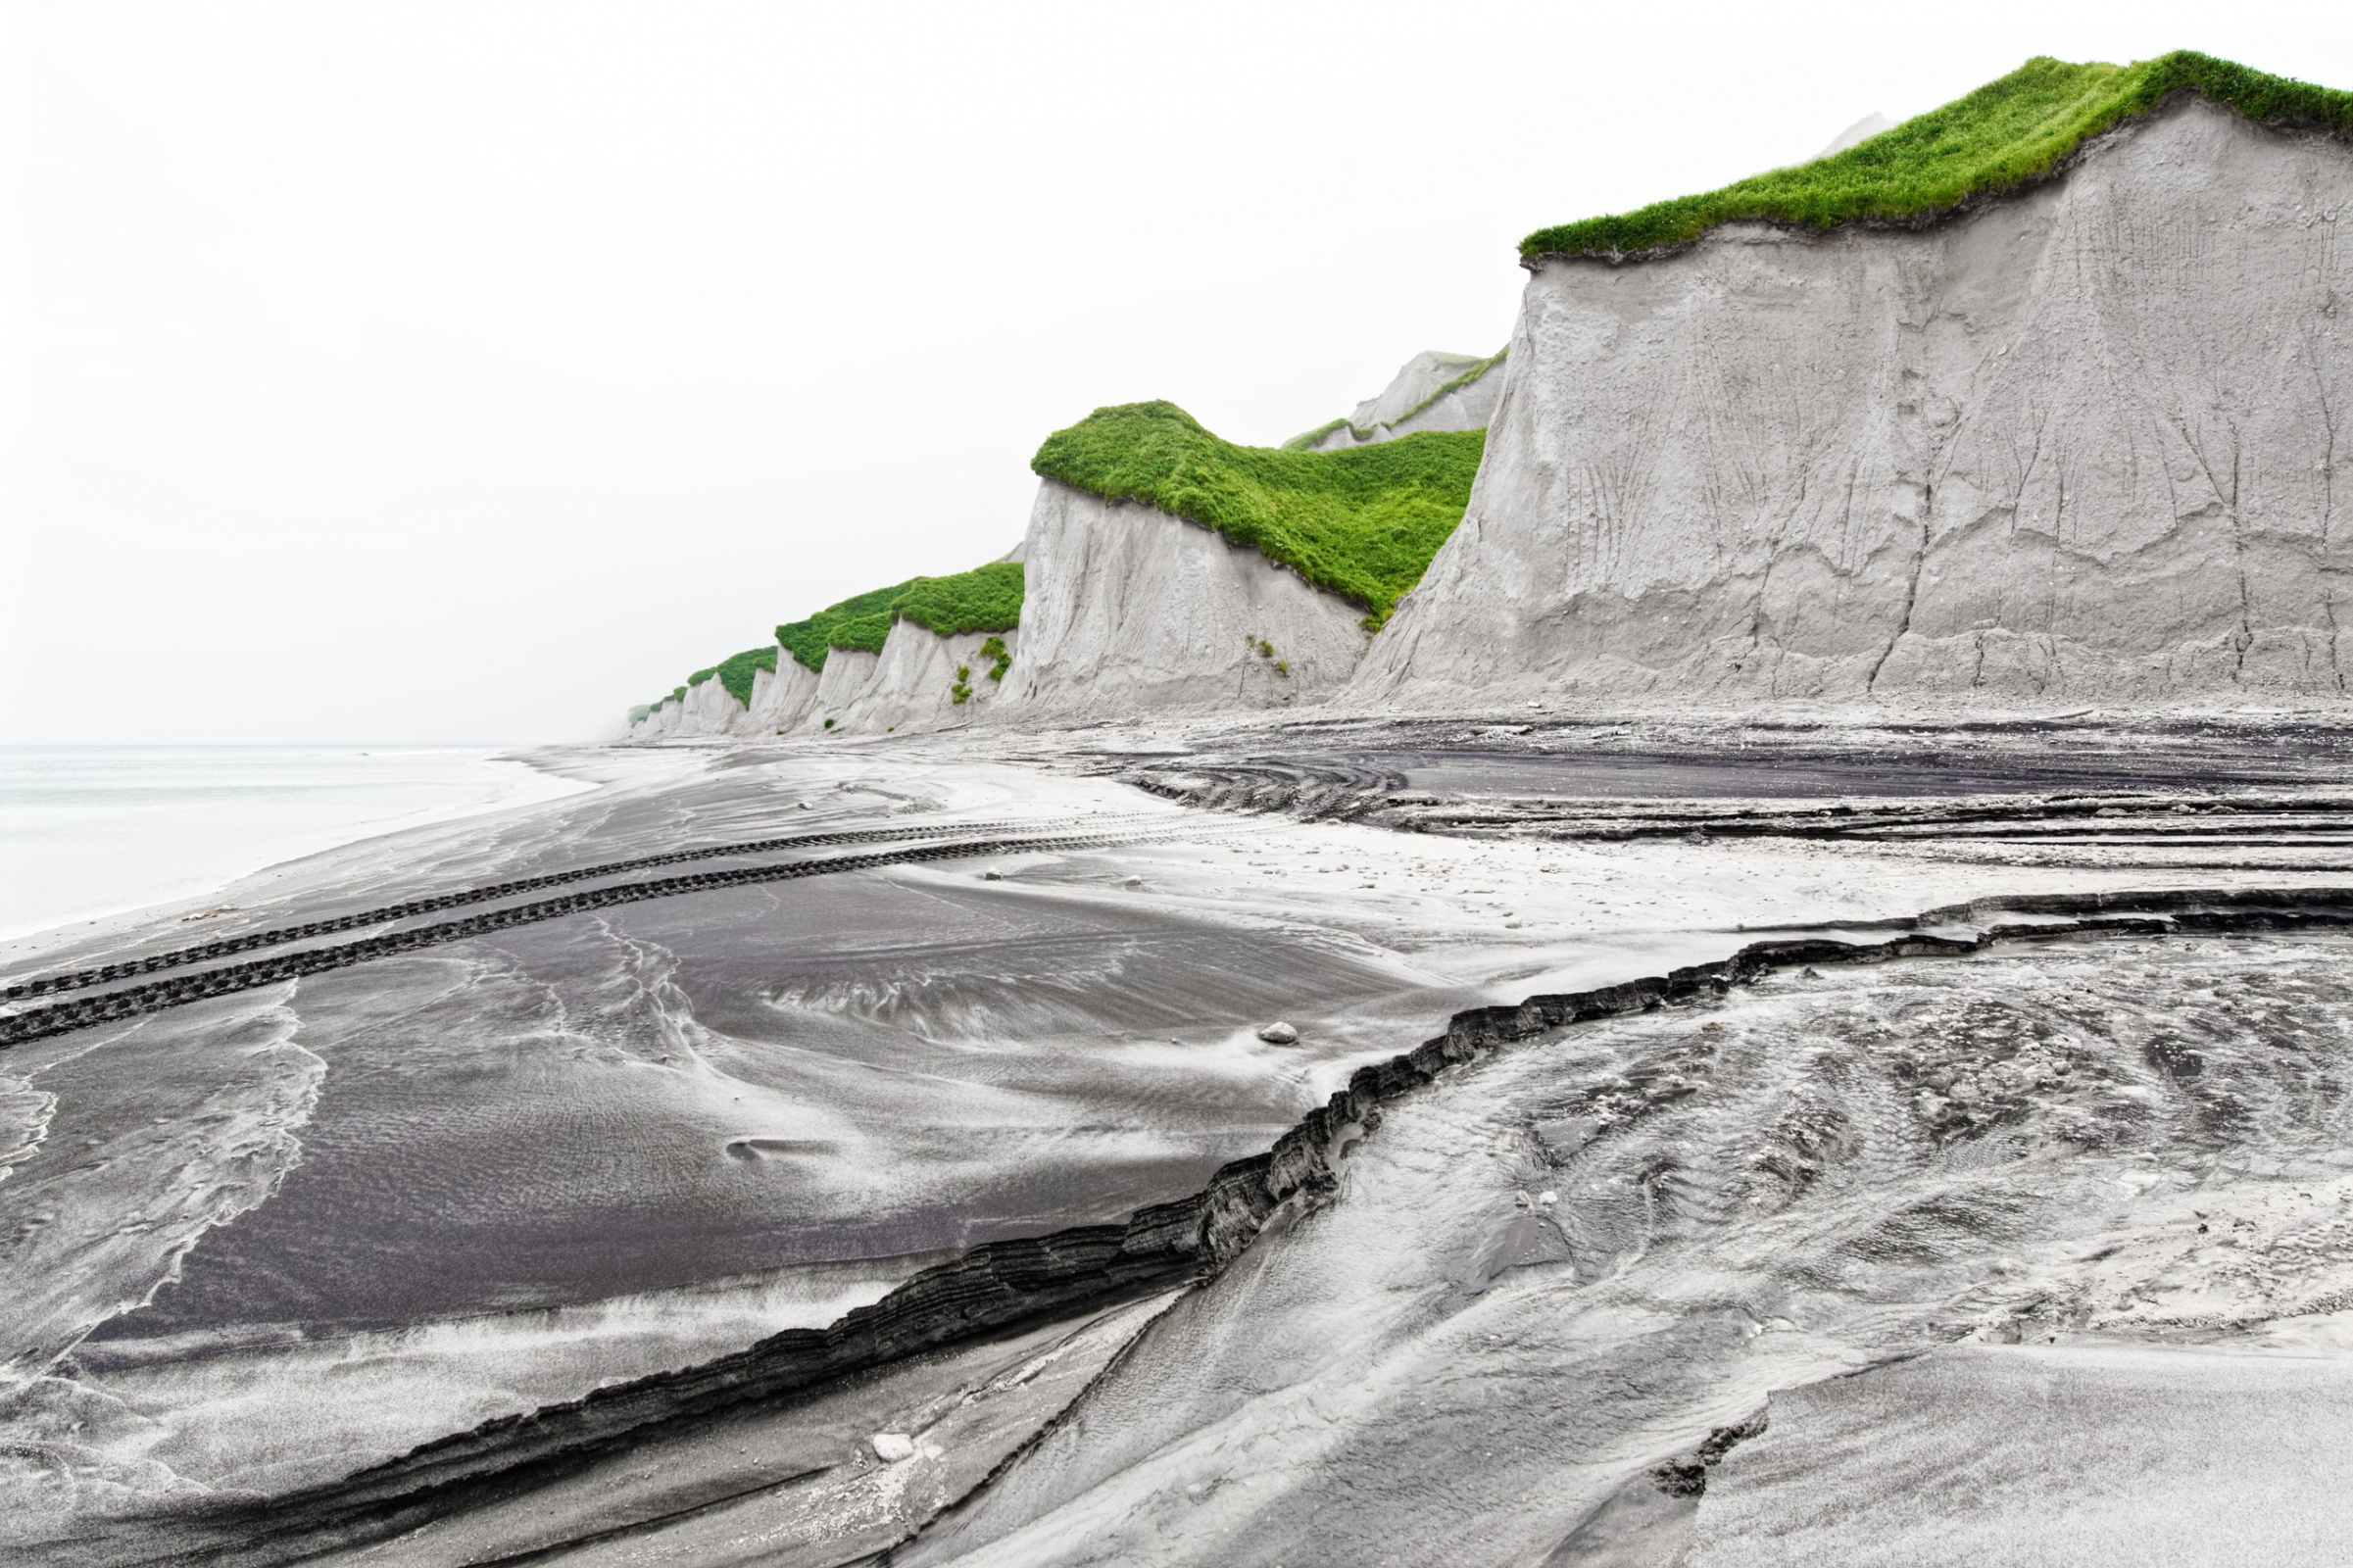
[(1005, 1286), (39, 1023), (80, 979), (1335, 790)]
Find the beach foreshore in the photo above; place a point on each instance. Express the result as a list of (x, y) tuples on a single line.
[(405, 1199)]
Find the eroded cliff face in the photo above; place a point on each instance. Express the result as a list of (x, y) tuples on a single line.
[(1422, 397), (2085, 444), (915, 682), (1131, 610), (659, 724), (782, 698)]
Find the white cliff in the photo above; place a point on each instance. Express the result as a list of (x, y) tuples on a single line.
[(781, 698), (917, 679), (711, 710), (2085, 444), (1431, 392), (846, 679), (913, 684), (657, 723), (1131, 610)]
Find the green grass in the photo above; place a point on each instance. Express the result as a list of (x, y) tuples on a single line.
[(985, 599), (1305, 440), (735, 673), (2005, 134), (807, 640), (1362, 524)]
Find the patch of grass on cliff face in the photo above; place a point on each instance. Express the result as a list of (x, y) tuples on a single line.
[(1361, 524), (2007, 133), (1305, 440)]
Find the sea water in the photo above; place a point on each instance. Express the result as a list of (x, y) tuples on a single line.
[(87, 831)]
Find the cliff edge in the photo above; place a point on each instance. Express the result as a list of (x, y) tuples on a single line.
[(2083, 440)]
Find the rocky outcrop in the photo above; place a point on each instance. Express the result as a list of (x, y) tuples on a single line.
[(2088, 443), (1432, 391), (1133, 610)]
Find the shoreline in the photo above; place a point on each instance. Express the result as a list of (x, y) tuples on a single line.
[(536, 780)]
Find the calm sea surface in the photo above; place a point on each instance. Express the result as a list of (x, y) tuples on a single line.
[(92, 830)]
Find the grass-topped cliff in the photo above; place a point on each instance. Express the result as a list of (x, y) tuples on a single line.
[(985, 599), (735, 671), (2005, 134), (1362, 524), (862, 620)]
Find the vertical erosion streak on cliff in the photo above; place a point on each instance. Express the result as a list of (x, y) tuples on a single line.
[(1918, 448), (2328, 571), (2223, 490)]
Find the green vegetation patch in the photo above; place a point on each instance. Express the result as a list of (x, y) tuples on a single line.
[(807, 640), (1362, 524), (735, 671), (985, 599), (1305, 440), (2005, 134)]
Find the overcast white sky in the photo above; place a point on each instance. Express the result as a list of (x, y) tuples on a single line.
[(418, 371)]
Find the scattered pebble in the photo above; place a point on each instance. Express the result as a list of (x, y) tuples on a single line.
[(1279, 1034), (893, 1447)]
